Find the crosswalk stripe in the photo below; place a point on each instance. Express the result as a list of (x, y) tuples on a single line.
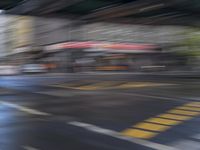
[(95, 85), (151, 126), (111, 133), (193, 104), (183, 112), (163, 121), (137, 133), (133, 85), (189, 108), (176, 117), (99, 85), (141, 84)]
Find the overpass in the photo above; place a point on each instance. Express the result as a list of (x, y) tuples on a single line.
[(157, 12)]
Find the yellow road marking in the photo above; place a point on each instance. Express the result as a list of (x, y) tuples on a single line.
[(87, 87), (189, 108), (137, 133), (151, 126), (176, 117), (107, 85), (141, 84), (183, 112), (132, 85), (163, 121), (67, 85), (193, 104), (99, 85), (72, 85)]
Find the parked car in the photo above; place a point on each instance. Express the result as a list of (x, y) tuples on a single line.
[(34, 68), (9, 70)]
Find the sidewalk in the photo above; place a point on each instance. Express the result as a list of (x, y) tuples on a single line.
[(189, 74)]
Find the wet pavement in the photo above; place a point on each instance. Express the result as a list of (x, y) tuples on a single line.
[(99, 112)]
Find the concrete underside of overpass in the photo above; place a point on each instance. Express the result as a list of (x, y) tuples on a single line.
[(156, 12)]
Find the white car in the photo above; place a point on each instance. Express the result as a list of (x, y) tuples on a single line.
[(34, 68), (9, 70)]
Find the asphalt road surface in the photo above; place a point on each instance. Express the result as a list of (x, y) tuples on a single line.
[(99, 112)]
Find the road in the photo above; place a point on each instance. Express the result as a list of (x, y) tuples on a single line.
[(99, 112)]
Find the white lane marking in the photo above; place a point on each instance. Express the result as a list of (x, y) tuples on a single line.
[(29, 148), (154, 96), (197, 136), (186, 145), (25, 109), (117, 135)]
